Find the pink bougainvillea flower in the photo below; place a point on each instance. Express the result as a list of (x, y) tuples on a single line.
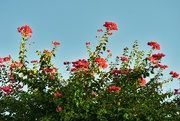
[(7, 89), (57, 94), (110, 26), (114, 88), (174, 74), (87, 43), (59, 109), (154, 45), (176, 91), (55, 43), (143, 82), (93, 93)]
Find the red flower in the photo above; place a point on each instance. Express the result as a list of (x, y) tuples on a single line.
[(1, 60), (101, 62), (16, 64), (57, 94), (108, 51), (67, 62), (56, 43), (8, 58), (174, 74), (113, 88), (110, 26), (93, 93), (155, 45), (158, 56), (99, 30), (34, 61), (176, 91), (143, 82), (87, 43), (2, 65), (124, 59), (25, 30), (59, 109), (163, 66), (80, 64)]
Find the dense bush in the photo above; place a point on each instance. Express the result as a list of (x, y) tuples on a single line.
[(129, 89)]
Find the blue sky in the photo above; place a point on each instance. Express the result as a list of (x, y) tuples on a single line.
[(74, 22)]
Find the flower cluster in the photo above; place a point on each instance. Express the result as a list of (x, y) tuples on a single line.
[(117, 72), (5, 59), (158, 56), (155, 45), (25, 30), (174, 74), (57, 94), (80, 64), (113, 88), (51, 71), (110, 26), (7, 89), (16, 64), (124, 59), (101, 62), (155, 58)]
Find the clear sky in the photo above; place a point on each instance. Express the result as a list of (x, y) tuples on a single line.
[(74, 22)]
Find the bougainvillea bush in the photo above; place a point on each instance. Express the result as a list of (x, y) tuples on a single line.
[(128, 89)]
